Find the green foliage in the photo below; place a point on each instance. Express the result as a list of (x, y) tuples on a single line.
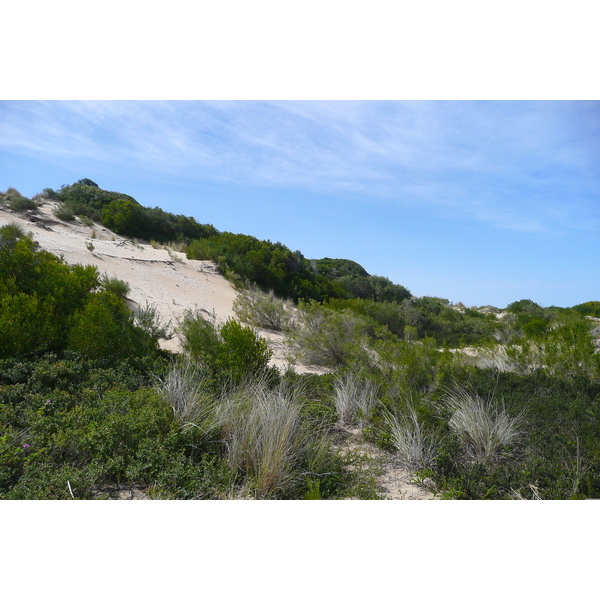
[(438, 319), (106, 328), (115, 285), (22, 204), (124, 214), (243, 352), (86, 198), (39, 294), (591, 308), (10, 234), (334, 268), (272, 266), (565, 348), (50, 194), (525, 306), (64, 212), (388, 314), (560, 448), (329, 338), (124, 217), (230, 351), (16, 201), (87, 182)]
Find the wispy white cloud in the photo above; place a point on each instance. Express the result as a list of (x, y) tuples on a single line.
[(525, 166)]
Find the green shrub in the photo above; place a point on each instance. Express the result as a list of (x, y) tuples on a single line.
[(21, 204), (591, 309), (105, 328), (26, 324), (64, 212), (124, 217), (329, 338), (229, 351), (39, 294), (116, 286), (50, 194)]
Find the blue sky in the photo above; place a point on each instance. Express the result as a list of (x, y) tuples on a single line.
[(482, 202)]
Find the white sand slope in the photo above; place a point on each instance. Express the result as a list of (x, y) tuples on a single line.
[(163, 278)]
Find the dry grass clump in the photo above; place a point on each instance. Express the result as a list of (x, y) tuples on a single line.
[(193, 406), (265, 437), (485, 428), (263, 309), (415, 449), (355, 398)]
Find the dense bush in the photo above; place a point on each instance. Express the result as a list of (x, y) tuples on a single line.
[(39, 295), (124, 214), (326, 337), (591, 309), (229, 351), (271, 266), (16, 201)]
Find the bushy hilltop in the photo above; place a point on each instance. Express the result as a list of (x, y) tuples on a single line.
[(474, 403)]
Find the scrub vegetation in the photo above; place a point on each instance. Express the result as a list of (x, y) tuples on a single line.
[(485, 403)]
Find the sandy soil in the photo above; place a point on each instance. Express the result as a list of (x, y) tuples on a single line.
[(395, 481)]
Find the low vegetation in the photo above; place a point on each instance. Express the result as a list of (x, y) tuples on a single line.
[(484, 403)]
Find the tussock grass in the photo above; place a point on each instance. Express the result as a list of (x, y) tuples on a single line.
[(355, 398), (193, 406), (265, 437), (415, 449), (485, 428), (262, 309)]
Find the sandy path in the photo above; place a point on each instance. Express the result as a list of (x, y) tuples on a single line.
[(395, 481)]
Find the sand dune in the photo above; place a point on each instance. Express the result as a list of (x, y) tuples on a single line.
[(161, 277)]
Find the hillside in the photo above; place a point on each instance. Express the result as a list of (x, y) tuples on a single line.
[(390, 396), (158, 275)]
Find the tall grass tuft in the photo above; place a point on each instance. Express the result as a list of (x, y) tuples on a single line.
[(262, 309), (355, 398), (193, 405), (415, 449), (485, 428), (265, 437)]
